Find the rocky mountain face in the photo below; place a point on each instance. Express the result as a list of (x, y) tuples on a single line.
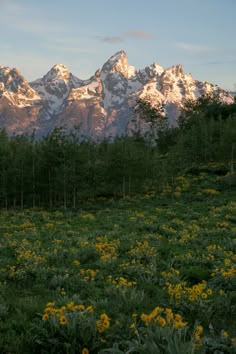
[(99, 107)]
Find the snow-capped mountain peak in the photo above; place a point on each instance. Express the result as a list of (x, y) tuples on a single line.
[(119, 63), (100, 106), (54, 88), (57, 72), (15, 88)]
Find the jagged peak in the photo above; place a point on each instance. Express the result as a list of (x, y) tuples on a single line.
[(97, 73), (12, 80), (14, 72), (119, 55), (119, 62), (5, 69), (58, 71), (15, 88), (176, 70), (157, 66), (60, 67), (153, 69)]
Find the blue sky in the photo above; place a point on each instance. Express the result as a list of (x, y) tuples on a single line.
[(199, 34)]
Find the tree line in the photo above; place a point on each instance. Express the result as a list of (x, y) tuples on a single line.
[(61, 170)]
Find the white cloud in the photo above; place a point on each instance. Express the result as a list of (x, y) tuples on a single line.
[(139, 35), (192, 47), (112, 39)]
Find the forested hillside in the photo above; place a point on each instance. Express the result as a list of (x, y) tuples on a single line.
[(61, 170)]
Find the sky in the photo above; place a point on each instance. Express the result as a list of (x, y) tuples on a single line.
[(84, 34)]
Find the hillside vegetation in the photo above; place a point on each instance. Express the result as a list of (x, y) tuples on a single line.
[(123, 247)]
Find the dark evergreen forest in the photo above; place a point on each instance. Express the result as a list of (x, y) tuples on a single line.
[(63, 171)]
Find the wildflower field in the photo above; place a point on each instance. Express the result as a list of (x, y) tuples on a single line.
[(144, 275)]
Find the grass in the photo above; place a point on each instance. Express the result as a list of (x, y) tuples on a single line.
[(143, 275)]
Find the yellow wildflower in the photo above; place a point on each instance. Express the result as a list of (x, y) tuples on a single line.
[(209, 292), (63, 320), (224, 333), (103, 323), (89, 308), (198, 331), (161, 321), (81, 307), (45, 317), (85, 351)]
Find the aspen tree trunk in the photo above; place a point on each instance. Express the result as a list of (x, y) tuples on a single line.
[(22, 188), (33, 175)]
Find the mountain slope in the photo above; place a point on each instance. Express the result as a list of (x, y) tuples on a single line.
[(99, 107)]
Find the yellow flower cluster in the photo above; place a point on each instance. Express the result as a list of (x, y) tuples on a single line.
[(163, 317), (214, 247), (88, 274), (178, 222), (107, 250), (26, 225), (11, 271), (103, 323), (183, 182), (168, 229), (29, 255), (198, 332), (194, 293), (121, 281), (148, 222), (139, 215), (25, 253), (172, 273), (222, 224), (88, 216), (56, 241), (182, 185), (188, 233), (136, 215), (76, 262), (225, 272), (49, 225), (61, 313), (142, 248), (210, 191)]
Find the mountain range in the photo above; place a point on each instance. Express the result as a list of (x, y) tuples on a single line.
[(101, 106)]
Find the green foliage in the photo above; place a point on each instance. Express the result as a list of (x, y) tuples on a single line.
[(208, 105), (123, 260)]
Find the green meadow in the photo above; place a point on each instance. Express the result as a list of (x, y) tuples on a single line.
[(151, 274)]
